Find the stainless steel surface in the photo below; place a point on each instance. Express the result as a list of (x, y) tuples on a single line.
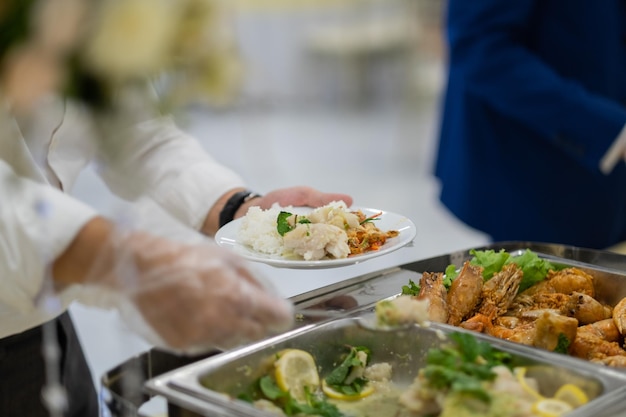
[(609, 270), (210, 386), (302, 314), (358, 295)]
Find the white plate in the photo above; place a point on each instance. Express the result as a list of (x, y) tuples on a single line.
[(226, 236)]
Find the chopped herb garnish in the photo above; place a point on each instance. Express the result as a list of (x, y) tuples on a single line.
[(282, 224), (371, 218), (562, 344), (315, 404), (270, 389), (464, 367), (338, 378)]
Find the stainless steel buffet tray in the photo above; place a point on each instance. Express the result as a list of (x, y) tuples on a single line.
[(180, 380), (210, 387), (608, 268)]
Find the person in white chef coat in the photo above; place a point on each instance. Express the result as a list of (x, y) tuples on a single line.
[(185, 297), (54, 249)]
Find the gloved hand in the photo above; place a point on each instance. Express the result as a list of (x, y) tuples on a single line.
[(181, 297)]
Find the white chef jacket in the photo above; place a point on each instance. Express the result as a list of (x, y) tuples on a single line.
[(43, 154)]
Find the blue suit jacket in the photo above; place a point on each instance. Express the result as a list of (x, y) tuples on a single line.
[(536, 94)]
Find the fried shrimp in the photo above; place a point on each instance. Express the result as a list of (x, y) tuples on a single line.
[(464, 293), (597, 341), (565, 281), (433, 290), (498, 293)]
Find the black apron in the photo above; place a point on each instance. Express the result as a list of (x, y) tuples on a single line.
[(23, 373)]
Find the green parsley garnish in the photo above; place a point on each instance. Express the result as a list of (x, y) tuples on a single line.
[(315, 404), (337, 379), (464, 367), (284, 226), (562, 344)]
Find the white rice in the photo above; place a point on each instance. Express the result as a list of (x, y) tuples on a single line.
[(318, 240), (258, 230)]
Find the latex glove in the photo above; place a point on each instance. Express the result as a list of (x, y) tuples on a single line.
[(191, 298)]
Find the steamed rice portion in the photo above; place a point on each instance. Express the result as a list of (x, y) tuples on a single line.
[(258, 231), (323, 237)]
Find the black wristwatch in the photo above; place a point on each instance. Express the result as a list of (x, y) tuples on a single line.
[(234, 202)]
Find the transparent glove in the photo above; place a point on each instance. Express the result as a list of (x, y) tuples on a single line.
[(190, 298)]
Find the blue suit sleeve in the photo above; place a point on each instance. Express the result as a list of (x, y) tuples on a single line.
[(493, 50)]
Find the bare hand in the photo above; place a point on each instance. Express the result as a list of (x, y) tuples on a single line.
[(299, 196)]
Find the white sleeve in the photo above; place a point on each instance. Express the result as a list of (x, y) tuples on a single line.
[(157, 159), (37, 223), (616, 153)]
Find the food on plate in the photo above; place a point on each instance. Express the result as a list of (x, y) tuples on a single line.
[(527, 299), (464, 377), (332, 231)]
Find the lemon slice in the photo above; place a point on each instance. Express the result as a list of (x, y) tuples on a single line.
[(520, 373), (368, 389), (572, 395), (551, 407), (296, 372)]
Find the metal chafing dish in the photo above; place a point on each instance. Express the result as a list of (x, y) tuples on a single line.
[(200, 387), (191, 385)]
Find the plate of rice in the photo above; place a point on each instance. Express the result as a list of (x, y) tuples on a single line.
[(324, 237)]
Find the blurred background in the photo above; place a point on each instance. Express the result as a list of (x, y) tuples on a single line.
[(341, 95)]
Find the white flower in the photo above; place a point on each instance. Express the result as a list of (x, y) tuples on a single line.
[(131, 38)]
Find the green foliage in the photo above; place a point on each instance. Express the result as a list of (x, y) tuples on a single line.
[(490, 260), (411, 289), (270, 389), (371, 219), (282, 223), (535, 269), (562, 345), (336, 379), (315, 405), (464, 367), (450, 274)]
